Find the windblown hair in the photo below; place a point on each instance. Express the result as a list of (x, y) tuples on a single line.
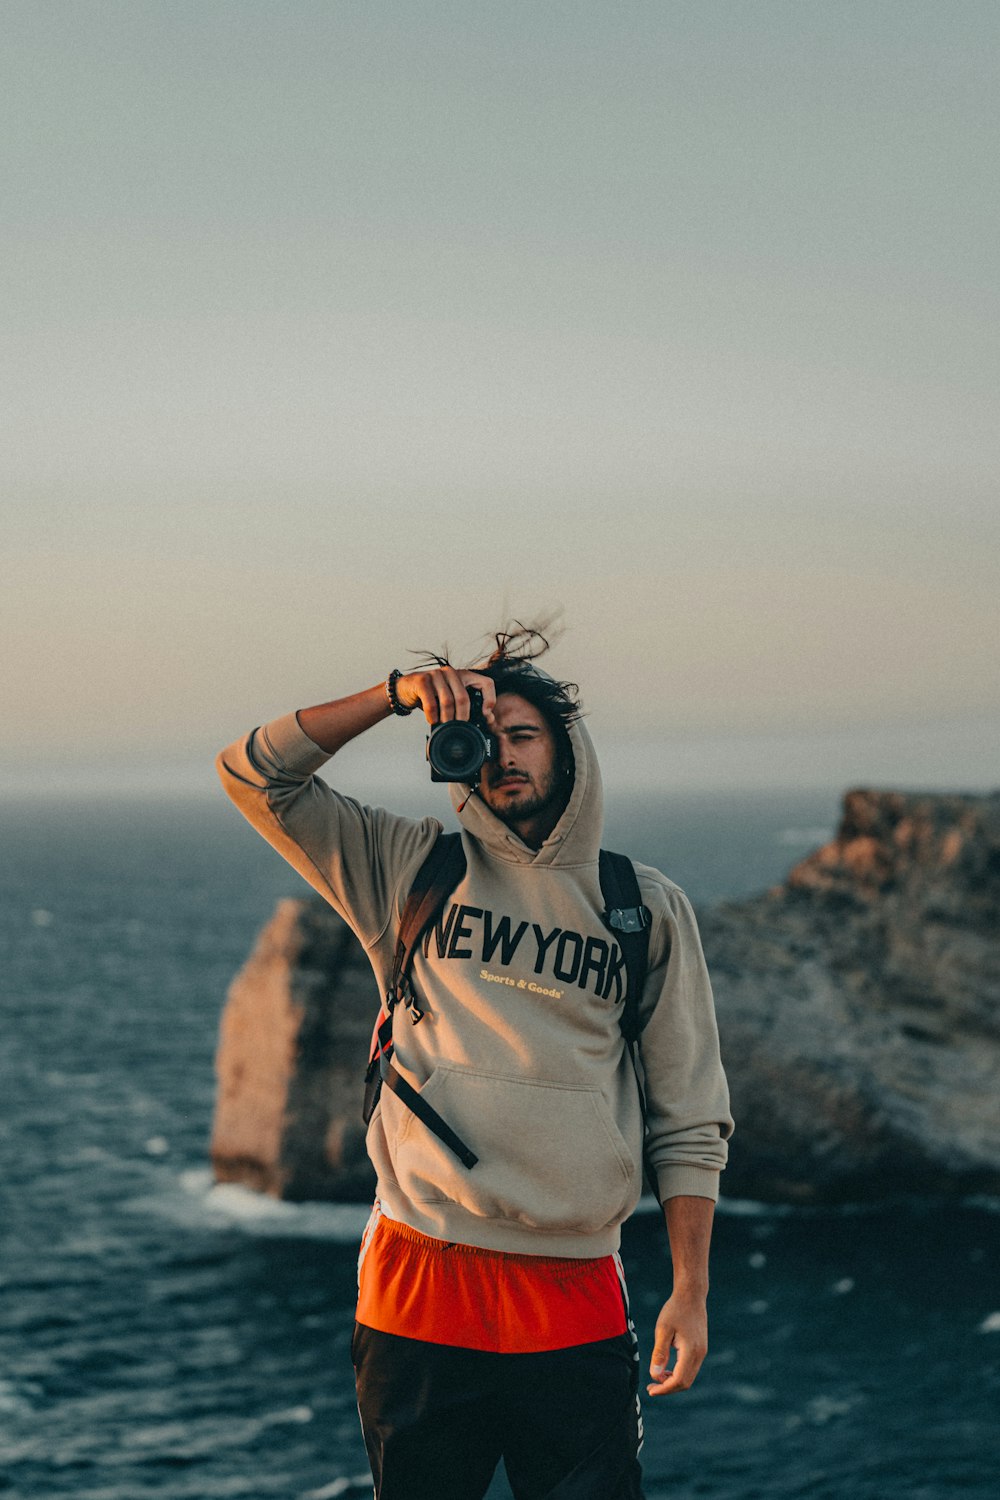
[(509, 664)]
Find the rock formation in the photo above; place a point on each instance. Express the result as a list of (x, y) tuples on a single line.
[(859, 1007), (858, 1003), (293, 1047)]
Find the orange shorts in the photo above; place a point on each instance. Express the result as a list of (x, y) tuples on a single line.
[(443, 1293)]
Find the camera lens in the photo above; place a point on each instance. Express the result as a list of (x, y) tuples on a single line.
[(456, 751)]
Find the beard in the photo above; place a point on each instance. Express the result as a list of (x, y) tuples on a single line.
[(543, 799)]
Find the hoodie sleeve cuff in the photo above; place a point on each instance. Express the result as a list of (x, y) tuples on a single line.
[(687, 1182), (291, 746)]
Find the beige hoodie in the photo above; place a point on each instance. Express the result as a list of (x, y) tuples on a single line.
[(520, 1048)]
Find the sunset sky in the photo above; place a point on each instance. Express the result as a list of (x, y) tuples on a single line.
[(337, 329)]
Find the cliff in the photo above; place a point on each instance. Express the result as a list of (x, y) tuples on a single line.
[(857, 1003)]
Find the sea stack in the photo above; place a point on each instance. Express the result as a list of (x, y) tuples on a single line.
[(293, 1047)]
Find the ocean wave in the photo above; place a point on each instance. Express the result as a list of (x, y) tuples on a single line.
[(984, 1201), (194, 1200), (751, 1208), (360, 1484)]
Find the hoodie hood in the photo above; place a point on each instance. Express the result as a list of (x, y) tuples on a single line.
[(576, 838)]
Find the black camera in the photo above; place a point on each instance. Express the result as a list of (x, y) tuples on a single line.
[(458, 750)]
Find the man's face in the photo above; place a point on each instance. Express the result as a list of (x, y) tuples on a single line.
[(524, 783)]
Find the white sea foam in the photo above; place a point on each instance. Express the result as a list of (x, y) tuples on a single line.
[(193, 1200), (990, 1324), (860, 1209), (91, 1154), (360, 1484), (822, 1409), (294, 1414), (750, 1395), (60, 1080), (750, 1208), (13, 1399)]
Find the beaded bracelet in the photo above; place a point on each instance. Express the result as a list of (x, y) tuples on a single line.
[(393, 697)]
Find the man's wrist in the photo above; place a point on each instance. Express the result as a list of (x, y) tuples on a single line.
[(396, 703), (691, 1288)]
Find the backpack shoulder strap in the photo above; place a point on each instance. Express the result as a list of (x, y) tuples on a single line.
[(629, 920), (433, 883), (436, 878)]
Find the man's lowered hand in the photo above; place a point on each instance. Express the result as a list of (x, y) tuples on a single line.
[(682, 1325)]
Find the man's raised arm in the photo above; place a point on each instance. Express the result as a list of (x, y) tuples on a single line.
[(355, 856), (333, 725), (440, 691)]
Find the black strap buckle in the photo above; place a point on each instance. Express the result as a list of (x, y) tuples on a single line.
[(404, 992), (629, 918)]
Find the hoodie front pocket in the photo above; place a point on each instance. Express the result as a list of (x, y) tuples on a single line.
[(550, 1155)]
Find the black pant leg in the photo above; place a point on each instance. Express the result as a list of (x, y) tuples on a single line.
[(572, 1427), (428, 1415)]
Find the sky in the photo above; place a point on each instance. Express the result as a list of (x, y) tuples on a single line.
[(337, 331)]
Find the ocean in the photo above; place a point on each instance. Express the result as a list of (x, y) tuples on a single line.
[(163, 1337)]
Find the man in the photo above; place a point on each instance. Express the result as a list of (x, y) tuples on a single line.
[(492, 1318)]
